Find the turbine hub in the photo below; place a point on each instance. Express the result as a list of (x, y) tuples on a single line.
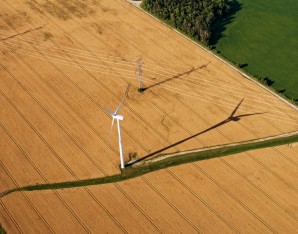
[(120, 117)]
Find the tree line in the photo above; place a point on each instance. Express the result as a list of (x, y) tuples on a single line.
[(193, 17)]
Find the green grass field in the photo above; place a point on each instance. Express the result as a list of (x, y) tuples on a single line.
[(263, 36)]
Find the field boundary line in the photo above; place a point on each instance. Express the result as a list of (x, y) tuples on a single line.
[(216, 56), (241, 203), (271, 171), (172, 205), (144, 168), (203, 201), (286, 210)]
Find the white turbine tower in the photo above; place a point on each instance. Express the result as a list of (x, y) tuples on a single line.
[(118, 118)]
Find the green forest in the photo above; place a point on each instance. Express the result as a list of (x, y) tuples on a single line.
[(193, 17)]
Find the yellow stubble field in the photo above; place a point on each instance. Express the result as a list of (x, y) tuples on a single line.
[(63, 62), (251, 192)]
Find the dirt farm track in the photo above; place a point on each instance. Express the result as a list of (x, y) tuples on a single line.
[(63, 62)]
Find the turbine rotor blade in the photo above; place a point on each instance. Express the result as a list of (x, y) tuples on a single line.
[(112, 125), (109, 111), (118, 108), (111, 130), (125, 95)]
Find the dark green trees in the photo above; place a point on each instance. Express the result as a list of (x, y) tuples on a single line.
[(193, 17)]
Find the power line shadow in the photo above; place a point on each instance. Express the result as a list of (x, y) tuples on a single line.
[(22, 33), (230, 118)]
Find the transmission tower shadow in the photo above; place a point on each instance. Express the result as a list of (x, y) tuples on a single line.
[(172, 78), (227, 120)]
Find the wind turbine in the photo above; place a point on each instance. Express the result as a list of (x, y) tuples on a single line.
[(117, 117)]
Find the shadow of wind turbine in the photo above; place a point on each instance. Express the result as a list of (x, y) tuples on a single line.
[(227, 120)]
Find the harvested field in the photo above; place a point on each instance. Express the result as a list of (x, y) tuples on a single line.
[(243, 193), (57, 79), (63, 63)]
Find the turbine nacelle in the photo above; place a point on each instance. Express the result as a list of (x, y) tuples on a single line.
[(119, 117)]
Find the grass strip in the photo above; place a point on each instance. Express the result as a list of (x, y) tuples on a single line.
[(221, 152), (132, 172), (2, 231)]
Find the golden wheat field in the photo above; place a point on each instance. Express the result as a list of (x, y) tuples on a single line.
[(63, 62)]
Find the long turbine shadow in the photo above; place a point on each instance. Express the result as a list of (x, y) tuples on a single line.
[(172, 78), (230, 118)]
